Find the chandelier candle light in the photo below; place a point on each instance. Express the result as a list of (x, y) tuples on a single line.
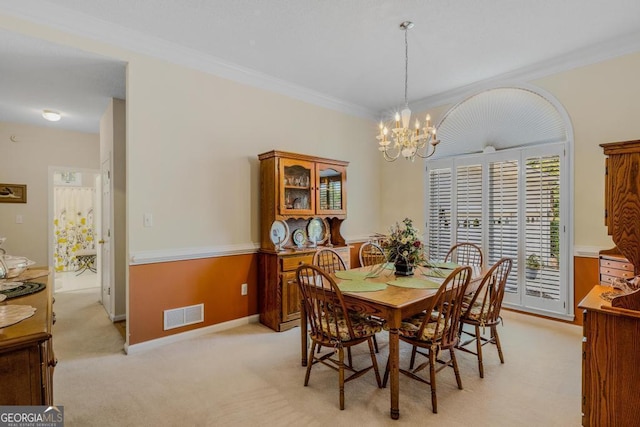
[(409, 143)]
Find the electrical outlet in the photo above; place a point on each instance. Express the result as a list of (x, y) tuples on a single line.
[(244, 289)]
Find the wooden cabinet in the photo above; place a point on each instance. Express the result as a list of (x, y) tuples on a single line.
[(26, 353), (610, 345), (610, 373), (296, 188), (622, 197), (613, 265)]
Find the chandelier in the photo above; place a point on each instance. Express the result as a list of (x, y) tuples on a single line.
[(420, 141)]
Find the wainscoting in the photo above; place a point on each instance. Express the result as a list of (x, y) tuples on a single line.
[(215, 282)]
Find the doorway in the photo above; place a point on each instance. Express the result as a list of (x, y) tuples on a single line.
[(73, 215)]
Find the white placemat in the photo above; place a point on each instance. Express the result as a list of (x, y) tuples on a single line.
[(12, 314)]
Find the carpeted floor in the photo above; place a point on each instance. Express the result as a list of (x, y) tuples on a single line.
[(252, 376)]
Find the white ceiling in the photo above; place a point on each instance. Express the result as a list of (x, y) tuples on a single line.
[(343, 54)]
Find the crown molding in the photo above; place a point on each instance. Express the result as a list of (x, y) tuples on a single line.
[(53, 16), (44, 13), (599, 52)]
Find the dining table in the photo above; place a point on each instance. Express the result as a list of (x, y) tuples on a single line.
[(377, 291)]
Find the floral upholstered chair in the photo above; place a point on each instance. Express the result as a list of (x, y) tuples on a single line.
[(435, 331), (482, 309), (333, 327)]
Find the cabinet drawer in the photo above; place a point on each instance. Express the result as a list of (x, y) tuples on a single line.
[(291, 263), (612, 272), (606, 280), (618, 265)]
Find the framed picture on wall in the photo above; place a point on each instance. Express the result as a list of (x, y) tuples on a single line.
[(13, 193)]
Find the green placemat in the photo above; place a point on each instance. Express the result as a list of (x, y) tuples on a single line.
[(361, 286), (352, 274), (435, 273), (414, 282), (447, 265), (389, 266)]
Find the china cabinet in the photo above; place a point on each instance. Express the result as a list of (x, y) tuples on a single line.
[(302, 207), (611, 323)]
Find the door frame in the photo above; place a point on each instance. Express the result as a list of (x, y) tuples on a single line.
[(50, 213)]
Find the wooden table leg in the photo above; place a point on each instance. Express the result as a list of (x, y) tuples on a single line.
[(303, 333), (394, 372)]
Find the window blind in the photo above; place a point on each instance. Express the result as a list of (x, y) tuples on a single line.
[(503, 217), (439, 213), (542, 193), (469, 204)]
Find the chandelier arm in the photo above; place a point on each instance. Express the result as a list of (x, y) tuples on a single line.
[(428, 148), (390, 158)]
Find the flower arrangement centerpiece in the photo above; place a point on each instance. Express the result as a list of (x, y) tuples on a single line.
[(404, 248)]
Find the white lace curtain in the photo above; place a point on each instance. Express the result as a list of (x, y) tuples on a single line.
[(73, 224)]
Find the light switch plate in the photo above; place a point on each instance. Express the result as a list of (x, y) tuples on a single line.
[(148, 220)]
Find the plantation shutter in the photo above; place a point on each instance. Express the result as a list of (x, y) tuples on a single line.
[(439, 213), (469, 204), (542, 228), (503, 217)]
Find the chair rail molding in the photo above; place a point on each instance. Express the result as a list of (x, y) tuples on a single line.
[(183, 254)]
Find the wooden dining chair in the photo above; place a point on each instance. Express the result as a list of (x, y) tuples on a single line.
[(482, 309), (333, 326), (434, 330), (371, 254), (329, 260), (465, 253)]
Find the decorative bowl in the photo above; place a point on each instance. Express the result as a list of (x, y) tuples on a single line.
[(12, 266)]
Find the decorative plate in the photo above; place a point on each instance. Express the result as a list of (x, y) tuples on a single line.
[(279, 233), (316, 231), (299, 238)]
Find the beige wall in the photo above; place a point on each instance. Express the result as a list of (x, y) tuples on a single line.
[(602, 102), (193, 141), (27, 161)]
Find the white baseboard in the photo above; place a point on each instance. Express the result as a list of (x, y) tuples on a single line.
[(118, 318), (159, 342)]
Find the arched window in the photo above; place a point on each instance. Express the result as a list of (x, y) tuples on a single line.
[(501, 180)]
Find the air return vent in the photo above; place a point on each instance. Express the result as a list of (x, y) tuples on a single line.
[(183, 316)]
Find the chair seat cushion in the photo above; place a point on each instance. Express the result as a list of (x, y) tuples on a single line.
[(476, 312), (362, 326), (409, 327)]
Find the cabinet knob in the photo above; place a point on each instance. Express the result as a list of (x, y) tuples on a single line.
[(53, 363)]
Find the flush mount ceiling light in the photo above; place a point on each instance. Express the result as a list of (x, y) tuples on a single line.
[(52, 116), (409, 143)]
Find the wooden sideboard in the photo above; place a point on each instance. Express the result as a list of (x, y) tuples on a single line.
[(26, 352), (611, 343), (610, 372)]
